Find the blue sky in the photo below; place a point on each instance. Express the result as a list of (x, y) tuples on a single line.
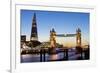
[(62, 22)]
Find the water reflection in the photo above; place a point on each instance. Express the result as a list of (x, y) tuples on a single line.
[(72, 55), (54, 57)]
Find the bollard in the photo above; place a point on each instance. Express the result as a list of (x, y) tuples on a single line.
[(44, 54), (41, 55), (66, 54)]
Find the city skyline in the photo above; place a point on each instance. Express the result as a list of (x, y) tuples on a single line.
[(62, 22)]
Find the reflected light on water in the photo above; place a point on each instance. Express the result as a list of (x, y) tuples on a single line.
[(54, 57)]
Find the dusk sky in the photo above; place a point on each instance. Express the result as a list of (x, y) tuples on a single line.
[(62, 22)]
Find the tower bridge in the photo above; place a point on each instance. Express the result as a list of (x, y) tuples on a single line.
[(53, 36)]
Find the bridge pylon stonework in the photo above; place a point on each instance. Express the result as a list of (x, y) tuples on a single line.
[(52, 38), (78, 37)]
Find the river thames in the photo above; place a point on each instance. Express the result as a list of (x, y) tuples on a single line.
[(72, 55)]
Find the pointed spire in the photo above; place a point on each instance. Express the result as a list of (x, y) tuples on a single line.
[(53, 30), (34, 17), (78, 30), (34, 33)]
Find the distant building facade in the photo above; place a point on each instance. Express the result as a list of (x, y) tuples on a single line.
[(23, 38)]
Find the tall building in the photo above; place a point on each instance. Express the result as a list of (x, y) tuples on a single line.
[(34, 35)]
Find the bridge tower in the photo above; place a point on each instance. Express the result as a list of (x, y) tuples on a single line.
[(52, 38), (78, 37)]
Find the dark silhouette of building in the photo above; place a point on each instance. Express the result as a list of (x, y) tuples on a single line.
[(23, 38), (34, 35)]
